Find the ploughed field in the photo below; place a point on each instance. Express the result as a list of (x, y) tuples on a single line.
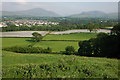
[(19, 65)]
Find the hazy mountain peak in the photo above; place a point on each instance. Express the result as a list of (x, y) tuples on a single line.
[(36, 9), (95, 14), (32, 12)]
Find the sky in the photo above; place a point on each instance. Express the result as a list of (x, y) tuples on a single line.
[(60, 0), (62, 8)]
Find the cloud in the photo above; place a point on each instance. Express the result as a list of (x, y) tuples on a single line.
[(60, 0), (17, 1), (0, 6), (21, 1)]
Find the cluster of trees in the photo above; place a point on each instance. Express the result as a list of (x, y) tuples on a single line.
[(60, 27), (40, 28), (19, 49), (104, 45)]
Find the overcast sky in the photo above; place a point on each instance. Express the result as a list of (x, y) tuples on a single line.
[(60, 0), (62, 8)]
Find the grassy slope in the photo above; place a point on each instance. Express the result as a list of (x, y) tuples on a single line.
[(58, 66)]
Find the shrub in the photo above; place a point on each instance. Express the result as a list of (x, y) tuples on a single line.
[(28, 49), (69, 50)]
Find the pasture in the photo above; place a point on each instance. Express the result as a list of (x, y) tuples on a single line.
[(8, 42), (72, 36), (55, 45)]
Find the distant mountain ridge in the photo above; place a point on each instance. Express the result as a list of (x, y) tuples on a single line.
[(31, 12), (39, 12), (95, 14)]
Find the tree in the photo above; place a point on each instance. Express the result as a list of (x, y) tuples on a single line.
[(92, 27), (36, 37), (85, 48), (69, 49), (11, 25), (103, 45), (116, 29)]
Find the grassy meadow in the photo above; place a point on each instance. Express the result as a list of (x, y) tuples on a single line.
[(17, 65), (8, 42)]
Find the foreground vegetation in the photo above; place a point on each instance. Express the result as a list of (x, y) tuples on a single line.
[(57, 66)]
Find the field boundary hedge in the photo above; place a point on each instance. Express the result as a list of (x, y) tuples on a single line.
[(19, 49)]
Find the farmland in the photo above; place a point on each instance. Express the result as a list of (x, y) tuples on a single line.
[(55, 45), (73, 36), (17, 65)]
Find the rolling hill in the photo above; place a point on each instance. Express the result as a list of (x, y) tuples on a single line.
[(95, 14)]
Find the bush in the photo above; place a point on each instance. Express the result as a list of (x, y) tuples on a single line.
[(69, 50), (28, 49), (85, 48)]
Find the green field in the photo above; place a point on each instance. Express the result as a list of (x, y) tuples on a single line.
[(73, 36), (8, 42), (55, 45), (17, 65)]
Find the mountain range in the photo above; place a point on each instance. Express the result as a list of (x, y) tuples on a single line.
[(45, 13)]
